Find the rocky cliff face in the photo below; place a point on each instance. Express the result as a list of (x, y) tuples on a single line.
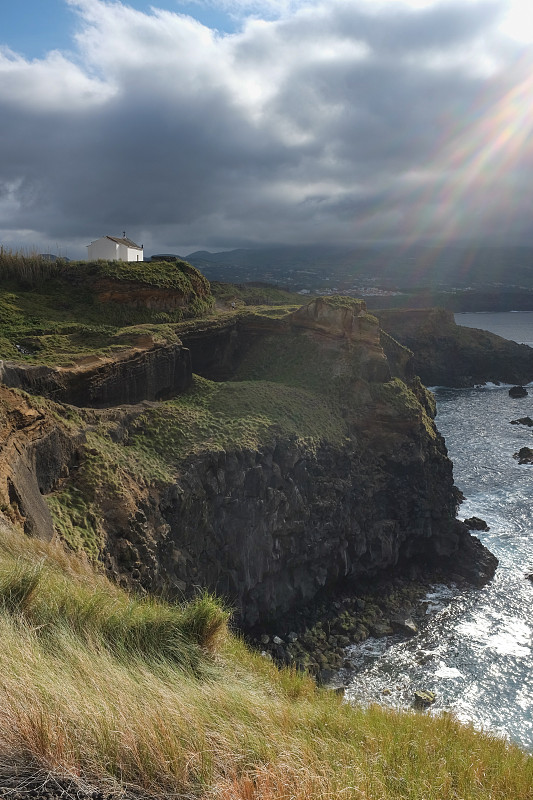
[(447, 354), (37, 452), (269, 529), (147, 372), (311, 467)]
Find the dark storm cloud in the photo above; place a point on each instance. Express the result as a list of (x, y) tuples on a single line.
[(332, 123)]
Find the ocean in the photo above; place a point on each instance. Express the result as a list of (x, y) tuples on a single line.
[(475, 648), (514, 325)]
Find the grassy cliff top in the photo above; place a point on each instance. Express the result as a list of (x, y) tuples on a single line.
[(179, 275), (32, 271), (161, 699), (53, 312)]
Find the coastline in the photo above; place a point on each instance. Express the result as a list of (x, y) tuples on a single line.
[(316, 637)]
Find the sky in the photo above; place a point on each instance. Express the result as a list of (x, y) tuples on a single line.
[(214, 124)]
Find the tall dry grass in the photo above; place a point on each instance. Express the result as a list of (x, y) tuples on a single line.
[(117, 692), (27, 268)]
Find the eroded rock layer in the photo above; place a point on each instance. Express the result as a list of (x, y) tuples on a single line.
[(153, 372)]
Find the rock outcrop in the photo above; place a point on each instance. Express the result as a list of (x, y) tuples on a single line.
[(518, 391), (446, 354), (37, 452), (524, 455), (147, 372)]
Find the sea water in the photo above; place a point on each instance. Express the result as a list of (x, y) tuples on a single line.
[(514, 325), (475, 647)]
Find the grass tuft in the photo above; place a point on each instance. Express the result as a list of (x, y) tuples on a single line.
[(27, 268), (38, 594)]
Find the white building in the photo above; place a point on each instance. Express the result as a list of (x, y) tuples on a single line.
[(112, 248)]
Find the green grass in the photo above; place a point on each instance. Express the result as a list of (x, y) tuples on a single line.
[(290, 359), (178, 275), (242, 414), (343, 301), (76, 520), (399, 401), (50, 313), (163, 700), (37, 325)]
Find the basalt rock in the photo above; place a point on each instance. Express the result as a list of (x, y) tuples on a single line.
[(476, 524), (524, 455), (423, 698), (518, 391), (446, 354)]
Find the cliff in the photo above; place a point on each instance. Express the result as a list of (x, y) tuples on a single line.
[(446, 354), (308, 466), (147, 371)]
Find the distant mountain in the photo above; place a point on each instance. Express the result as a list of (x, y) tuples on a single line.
[(435, 267)]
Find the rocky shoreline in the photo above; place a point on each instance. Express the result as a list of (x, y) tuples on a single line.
[(315, 638)]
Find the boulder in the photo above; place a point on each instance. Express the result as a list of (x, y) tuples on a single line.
[(517, 391), (379, 629), (404, 624), (524, 455), (476, 524), (424, 698), (523, 421)]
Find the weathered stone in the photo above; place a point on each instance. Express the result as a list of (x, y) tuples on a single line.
[(518, 391), (155, 372), (380, 629), (404, 624), (36, 454), (326, 676), (524, 455), (476, 524), (424, 698)]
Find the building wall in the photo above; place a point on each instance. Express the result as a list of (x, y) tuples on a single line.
[(112, 251), (129, 253), (103, 248)]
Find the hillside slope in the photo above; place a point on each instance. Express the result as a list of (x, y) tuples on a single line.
[(105, 695)]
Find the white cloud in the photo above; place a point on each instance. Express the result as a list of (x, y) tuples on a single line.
[(306, 126), (50, 84)]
